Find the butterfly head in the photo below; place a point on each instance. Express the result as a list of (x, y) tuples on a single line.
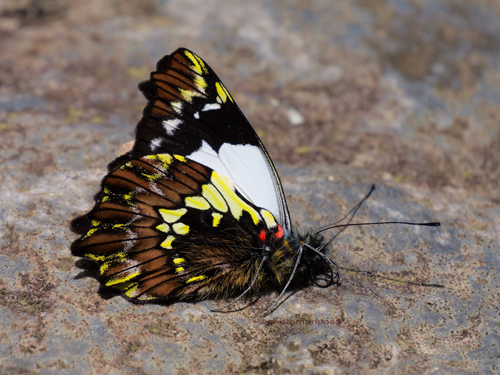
[(301, 260), (323, 272)]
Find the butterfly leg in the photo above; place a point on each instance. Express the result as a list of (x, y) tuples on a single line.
[(297, 262)]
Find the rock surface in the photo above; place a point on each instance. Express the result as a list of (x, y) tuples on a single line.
[(404, 94)]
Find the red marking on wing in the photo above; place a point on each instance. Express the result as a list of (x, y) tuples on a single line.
[(279, 233)]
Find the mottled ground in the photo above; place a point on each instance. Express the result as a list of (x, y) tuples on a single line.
[(401, 93)]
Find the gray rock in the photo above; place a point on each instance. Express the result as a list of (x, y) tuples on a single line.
[(412, 107)]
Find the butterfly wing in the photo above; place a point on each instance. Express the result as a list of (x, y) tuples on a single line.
[(165, 228), (191, 113)]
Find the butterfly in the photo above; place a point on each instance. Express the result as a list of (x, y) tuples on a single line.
[(196, 208)]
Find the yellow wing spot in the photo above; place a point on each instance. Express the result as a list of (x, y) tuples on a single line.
[(182, 159), (188, 95), (106, 196), (126, 165), (179, 269), (200, 68), (212, 195), (196, 278), (124, 279), (90, 233), (180, 228), (120, 226), (99, 258), (179, 260), (107, 260), (227, 93), (95, 224), (198, 64), (128, 198), (236, 204), (130, 292), (167, 244), (124, 287), (164, 159), (152, 177), (98, 225), (223, 93), (165, 228), (268, 218), (201, 84), (199, 203), (171, 216), (105, 266), (216, 219)]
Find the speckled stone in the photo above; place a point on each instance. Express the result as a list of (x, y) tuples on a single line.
[(402, 94)]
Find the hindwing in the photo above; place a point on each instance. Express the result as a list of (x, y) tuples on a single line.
[(166, 227)]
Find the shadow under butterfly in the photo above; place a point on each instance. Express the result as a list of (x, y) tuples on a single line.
[(196, 209)]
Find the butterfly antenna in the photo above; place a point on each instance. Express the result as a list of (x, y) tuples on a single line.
[(350, 214), (343, 226), (246, 291), (296, 265), (349, 224), (353, 212)]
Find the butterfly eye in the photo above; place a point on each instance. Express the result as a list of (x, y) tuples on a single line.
[(279, 233), (262, 235)]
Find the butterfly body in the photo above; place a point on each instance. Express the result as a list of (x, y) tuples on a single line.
[(196, 208)]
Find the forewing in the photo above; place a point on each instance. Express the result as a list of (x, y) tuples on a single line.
[(191, 113)]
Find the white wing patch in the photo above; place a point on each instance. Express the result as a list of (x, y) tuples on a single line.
[(177, 107), (206, 155), (171, 125), (211, 107), (245, 166), (155, 143)]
